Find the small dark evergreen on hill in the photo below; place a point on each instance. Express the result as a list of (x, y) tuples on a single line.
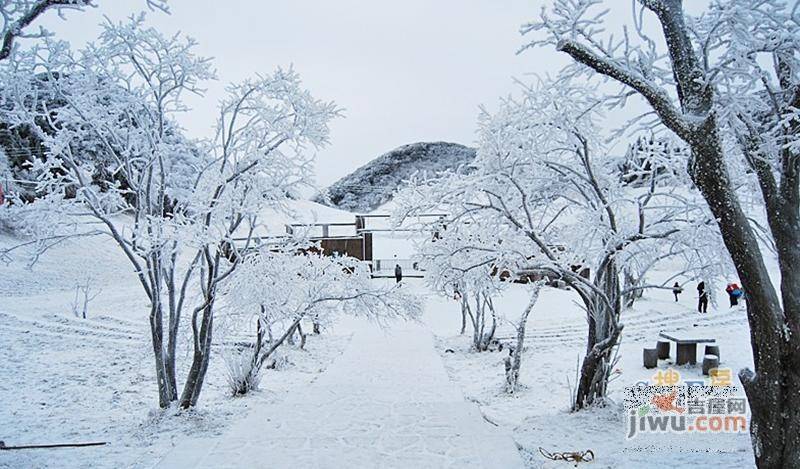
[(649, 156)]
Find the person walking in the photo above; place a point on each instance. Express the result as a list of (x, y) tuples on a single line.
[(677, 290), (702, 298), (734, 293), (398, 273)]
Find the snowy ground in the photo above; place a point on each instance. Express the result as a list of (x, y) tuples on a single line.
[(538, 413), (386, 402), (67, 379)]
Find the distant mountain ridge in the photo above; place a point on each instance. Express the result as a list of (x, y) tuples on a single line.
[(373, 184)]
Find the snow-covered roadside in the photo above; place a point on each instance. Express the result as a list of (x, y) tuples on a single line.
[(387, 402), (67, 379), (538, 413)]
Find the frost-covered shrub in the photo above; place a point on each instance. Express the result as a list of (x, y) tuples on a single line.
[(282, 289), (242, 373)]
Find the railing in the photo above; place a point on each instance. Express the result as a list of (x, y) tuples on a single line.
[(384, 268), (371, 222), (387, 265), (325, 229)]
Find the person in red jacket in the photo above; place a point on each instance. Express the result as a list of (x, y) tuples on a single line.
[(734, 292)]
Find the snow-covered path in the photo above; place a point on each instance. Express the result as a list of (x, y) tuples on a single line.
[(386, 402)]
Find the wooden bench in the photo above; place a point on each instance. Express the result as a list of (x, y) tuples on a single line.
[(686, 348)]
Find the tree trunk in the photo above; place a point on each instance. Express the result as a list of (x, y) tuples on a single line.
[(156, 334), (172, 342), (773, 390), (480, 338), (200, 359), (480, 311), (490, 336), (604, 331), (767, 388), (463, 315), (631, 281), (259, 341), (274, 345), (514, 361), (789, 251), (302, 336), (290, 339), (165, 363), (784, 221)]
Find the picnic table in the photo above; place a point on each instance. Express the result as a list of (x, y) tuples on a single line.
[(687, 348)]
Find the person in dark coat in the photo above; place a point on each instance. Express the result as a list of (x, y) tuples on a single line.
[(702, 298), (677, 290), (398, 273)]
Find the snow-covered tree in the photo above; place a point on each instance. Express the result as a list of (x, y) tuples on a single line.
[(513, 362), (19, 145), (274, 291), (544, 192), (461, 263), (265, 127), (727, 82), (468, 263), (18, 16), (176, 208)]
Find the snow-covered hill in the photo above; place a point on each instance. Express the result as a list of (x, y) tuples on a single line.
[(373, 184)]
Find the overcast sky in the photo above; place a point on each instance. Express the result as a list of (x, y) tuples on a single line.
[(404, 71)]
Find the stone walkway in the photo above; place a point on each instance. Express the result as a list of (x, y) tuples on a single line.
[(386, 402)]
